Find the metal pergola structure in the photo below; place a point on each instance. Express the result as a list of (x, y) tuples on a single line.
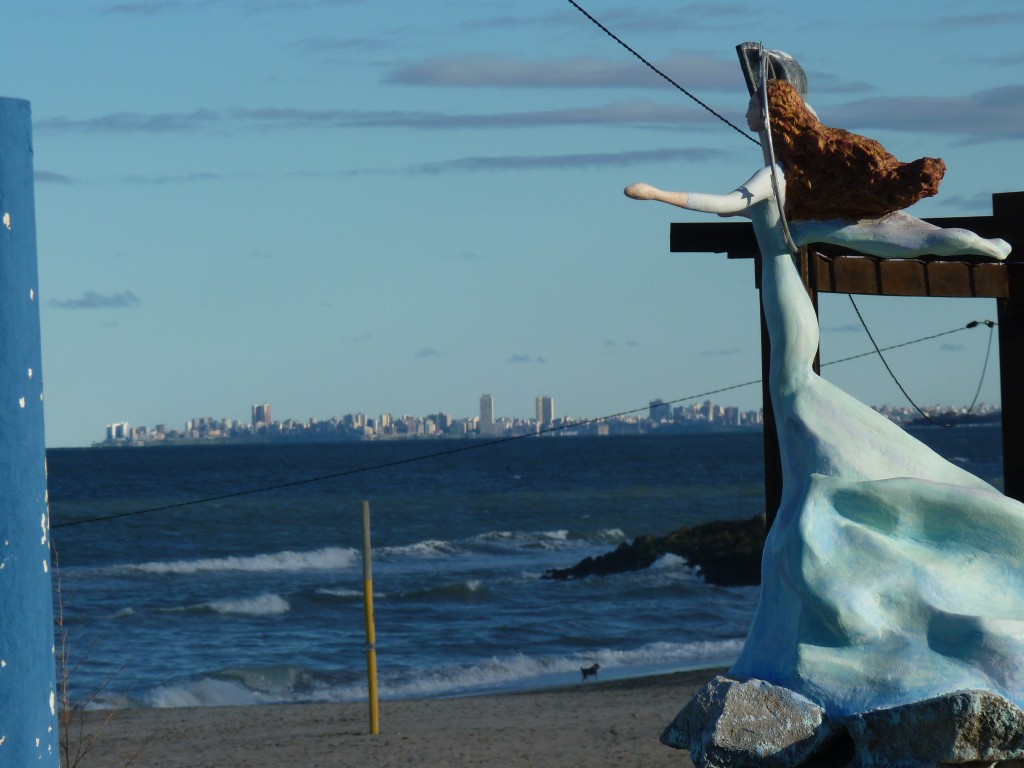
[(830, 269)]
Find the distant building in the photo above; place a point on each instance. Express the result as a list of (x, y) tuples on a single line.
[(261, 416), (120, 430), (486, 425), (545, 411), (659, 411)]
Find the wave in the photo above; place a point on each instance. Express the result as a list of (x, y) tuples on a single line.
[(670, 562), (344, 593), (262, 605), (468, 590), (429, 548), (502, 542), (276, 685), (341, 558), (328, 558)]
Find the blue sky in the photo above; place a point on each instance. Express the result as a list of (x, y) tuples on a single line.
[(368, 206)]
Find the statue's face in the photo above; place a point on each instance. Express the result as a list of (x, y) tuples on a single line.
[(754, 113)]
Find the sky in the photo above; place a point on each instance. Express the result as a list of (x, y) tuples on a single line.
[(368, 206)]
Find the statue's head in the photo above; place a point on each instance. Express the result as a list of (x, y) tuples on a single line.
[(759, 62), (778, 65)]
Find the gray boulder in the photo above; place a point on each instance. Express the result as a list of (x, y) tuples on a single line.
[(749, 724), (977, 728)]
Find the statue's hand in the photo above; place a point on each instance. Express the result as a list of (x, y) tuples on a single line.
[(641, 191)]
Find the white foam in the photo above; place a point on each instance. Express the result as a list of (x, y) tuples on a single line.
[(429, 548), (669, 562), (329, 558), (262, 605), (340, 592), (206, 692), (511, 672)]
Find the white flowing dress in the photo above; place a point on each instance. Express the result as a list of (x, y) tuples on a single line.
[(890, 575)]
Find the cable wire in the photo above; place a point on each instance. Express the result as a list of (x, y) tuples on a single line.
[(918, 408), (618, 40)]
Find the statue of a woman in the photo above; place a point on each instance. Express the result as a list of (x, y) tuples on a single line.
[(890, 575)]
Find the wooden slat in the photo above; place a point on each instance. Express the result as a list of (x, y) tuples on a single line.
[(910, 277)]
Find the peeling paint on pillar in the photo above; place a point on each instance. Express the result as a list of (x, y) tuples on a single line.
[(28, 722)]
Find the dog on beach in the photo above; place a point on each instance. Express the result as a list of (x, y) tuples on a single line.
[(591, 670)]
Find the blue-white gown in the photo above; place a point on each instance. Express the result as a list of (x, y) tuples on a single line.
[(890, 575)]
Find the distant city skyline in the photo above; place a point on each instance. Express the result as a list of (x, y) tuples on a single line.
[(657, 414)]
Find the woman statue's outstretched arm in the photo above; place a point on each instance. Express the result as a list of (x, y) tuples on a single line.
[(735, 203)]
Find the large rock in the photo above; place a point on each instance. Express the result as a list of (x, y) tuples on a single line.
[(750, 724), (973, 727), (727, 553)]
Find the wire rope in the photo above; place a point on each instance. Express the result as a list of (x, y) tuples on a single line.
[(618, 40)]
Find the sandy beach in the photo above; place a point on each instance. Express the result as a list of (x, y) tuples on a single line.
[(614, 723)]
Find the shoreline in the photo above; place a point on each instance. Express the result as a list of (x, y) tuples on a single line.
[(592, 724)]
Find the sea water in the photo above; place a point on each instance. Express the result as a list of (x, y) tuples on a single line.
[(258, 598)]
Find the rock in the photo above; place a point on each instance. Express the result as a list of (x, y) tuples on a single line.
[(751, 724), (727, 552), (973, 727)]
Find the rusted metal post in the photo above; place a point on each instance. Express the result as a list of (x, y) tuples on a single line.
[(28, 719)]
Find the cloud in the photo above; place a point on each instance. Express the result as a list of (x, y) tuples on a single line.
[(687, 17), (949, 347), (589, 160), (428, 352), (848, 328), (93, 300), (609, 343), (720, 352), (702, 72), (136, 122), (996, 19), (826, 82), (988, 115), (171, 179), (156, 7), (151, 7), (1014, 59), (49, 177), (526, 359), (314, 45), (637, 113), (980, 203)]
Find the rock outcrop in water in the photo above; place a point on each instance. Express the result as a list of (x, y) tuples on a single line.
[(727, 553)]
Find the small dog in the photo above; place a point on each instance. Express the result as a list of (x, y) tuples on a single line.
[(591, 670)]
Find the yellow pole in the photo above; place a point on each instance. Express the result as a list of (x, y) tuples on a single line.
[(371, 633)]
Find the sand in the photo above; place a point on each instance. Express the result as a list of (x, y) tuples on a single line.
[(613, 723)]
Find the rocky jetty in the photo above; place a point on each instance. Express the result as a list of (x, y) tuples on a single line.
[(726, 552)]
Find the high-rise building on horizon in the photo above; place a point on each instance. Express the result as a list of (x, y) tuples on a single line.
[(658, 410), (486, 414), (260, 415), (545, 411)]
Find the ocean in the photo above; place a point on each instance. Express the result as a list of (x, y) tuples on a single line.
[(257, 599)]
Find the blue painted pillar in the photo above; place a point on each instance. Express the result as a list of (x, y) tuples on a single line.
[(28, 720)]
